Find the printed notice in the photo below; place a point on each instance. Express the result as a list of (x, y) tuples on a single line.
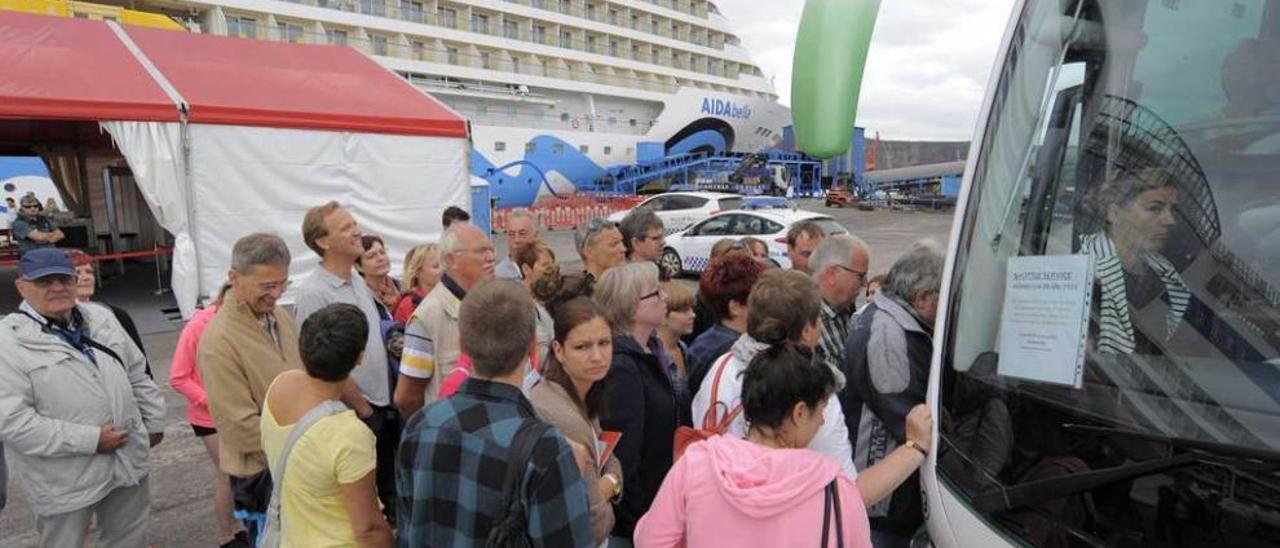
[(1046, 318)]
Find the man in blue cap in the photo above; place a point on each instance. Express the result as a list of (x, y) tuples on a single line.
[(78, 412)]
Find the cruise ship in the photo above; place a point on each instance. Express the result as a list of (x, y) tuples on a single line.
[(556, 91)]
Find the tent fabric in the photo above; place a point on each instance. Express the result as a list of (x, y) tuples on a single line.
[(256, 179), (235, 81), (73, 69), (155, 156)]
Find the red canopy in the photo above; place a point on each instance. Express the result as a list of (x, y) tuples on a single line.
[(71, 69)]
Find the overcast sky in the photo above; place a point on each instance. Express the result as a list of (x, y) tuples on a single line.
[(928, 64)]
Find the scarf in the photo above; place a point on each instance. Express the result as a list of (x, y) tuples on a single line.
[(1115, 325)]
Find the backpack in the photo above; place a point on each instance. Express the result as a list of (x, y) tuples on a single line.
[(686, 436), (270, 536), (510, 529)]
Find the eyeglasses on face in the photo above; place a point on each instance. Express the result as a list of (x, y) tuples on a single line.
[(861, 275), (656, 293)]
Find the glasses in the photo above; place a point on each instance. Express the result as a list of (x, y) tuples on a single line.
[(30, 207), (860, 275), (275, 286), (656, 293), (44, 282)]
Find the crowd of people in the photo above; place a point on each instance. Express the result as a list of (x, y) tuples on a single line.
[(486, 400)]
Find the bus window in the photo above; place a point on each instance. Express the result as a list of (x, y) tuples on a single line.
[(1144, 134)]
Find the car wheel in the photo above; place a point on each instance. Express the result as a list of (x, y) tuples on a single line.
[(670, 263)]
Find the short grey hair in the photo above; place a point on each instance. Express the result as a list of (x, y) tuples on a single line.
[(497, 317), (523, 213), (918, 271), (257, 249), (619, 290), (587, 232), (836, 250)]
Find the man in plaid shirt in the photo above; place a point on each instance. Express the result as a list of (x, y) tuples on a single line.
[(454, 453)]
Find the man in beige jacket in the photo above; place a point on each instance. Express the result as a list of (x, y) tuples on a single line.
[(243, 348)]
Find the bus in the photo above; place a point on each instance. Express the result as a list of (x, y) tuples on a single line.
[(1106, 367)]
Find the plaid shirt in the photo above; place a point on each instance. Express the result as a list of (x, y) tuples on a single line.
[(452, 463), (835, 333)]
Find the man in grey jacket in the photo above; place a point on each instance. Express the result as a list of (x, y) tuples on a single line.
[(78, 413), (886, 366)]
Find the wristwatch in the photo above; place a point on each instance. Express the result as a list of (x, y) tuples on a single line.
[(912, 444), (617, 486)]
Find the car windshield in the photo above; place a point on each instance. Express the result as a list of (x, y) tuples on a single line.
[(1115, 313)]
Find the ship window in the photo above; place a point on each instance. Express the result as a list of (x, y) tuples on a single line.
[(608, 151), (566, 39), (499, 146), (451, 55), (511, 29), (584, 149), (379, 45), (290, 32), (419, 50), (484, 59), (540, 34), (632, 122), (243, 27), (412, 11), (336, 37), (448, 17), (557, 148), (530, 147)]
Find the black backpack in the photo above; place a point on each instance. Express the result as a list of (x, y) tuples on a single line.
[(510, 529)]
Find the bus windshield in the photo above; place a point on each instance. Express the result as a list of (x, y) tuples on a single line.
[(1137, 141)]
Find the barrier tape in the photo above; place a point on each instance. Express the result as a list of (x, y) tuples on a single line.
[(112, 256)]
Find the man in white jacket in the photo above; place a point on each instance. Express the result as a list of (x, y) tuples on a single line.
[(78, 413)]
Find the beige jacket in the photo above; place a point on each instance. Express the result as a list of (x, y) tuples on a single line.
[(54, 401), (238, 359), (553, 405), (435, 322)]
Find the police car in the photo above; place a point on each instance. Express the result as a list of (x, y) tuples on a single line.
[(689, 250), (681, 209)]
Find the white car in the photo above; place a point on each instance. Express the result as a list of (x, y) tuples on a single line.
[(681, 209), (690, 249)]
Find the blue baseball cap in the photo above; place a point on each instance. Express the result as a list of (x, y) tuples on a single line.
[(45, 261)]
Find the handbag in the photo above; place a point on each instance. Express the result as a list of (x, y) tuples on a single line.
[(271, 532), (686, 436), (832, 502), (510, 529)]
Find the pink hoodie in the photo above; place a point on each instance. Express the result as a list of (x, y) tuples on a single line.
[(727, 491), (184, 376)]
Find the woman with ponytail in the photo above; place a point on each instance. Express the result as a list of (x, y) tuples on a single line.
[(784, 310)]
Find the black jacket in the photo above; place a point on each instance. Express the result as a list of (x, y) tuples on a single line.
[(642, 406)]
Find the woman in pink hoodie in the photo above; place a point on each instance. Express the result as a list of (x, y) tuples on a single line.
[(766, 490)]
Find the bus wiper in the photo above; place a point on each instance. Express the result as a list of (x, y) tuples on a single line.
[(1216, 448), (1034, 492)]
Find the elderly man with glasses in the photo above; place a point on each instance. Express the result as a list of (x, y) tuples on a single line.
[(839, 265), (78, 413), (31, 229), (432, 344)]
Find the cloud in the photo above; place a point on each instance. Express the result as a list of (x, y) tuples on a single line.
[(927, 68)]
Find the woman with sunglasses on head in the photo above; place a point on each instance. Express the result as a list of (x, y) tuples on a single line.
[(642, 400)]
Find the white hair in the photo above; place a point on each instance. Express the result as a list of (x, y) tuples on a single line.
[(836, 250)]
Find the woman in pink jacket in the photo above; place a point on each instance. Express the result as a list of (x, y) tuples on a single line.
[(184, 377), (769, 489)]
